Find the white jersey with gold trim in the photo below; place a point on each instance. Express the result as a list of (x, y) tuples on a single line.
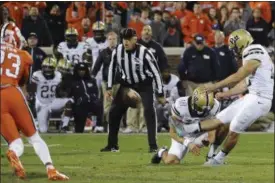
[(45, 92), (260, 83), (74, 55), (182, 107)]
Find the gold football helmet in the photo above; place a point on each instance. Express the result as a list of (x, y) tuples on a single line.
[(71, 36), (64, 66), (99, 31), (202, 101), (48, 67), (239, 40), (98, 26)]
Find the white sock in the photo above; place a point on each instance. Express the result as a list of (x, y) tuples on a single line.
[(65, 121), (17, 147), (160, 152), (220, 156), (212, 150), (40, 148), (49, 167)]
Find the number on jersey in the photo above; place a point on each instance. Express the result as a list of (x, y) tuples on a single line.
[(16, 62), (48, 91), (74, 58)]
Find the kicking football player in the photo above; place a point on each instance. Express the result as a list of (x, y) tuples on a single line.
[(186, 110), (257, 76), (15, 113), (44, 83), (73, 50)]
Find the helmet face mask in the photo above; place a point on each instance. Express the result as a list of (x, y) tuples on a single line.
[(99, 31), (202, 102), (48, 71), (71, 40), (71, 37), (48, 67)]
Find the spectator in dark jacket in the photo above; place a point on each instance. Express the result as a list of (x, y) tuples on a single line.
[(157, 50), (85, 95), (199, 65), (35, 23), (56, 24), (258, 28), (104, 60), (38, 55), (228, 64)]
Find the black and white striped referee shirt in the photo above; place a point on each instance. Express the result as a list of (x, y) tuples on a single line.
[(135, 67)]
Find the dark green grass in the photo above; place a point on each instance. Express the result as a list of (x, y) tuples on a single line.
[(78, 156)]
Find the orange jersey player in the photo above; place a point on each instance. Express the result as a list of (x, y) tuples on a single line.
[(15, 113), (14, 32)]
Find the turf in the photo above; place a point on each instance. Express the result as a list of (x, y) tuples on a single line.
[(252, 161)]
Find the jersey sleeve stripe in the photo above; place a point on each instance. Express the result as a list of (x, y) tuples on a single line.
[(34, 78), (175, 110), (253, 52)]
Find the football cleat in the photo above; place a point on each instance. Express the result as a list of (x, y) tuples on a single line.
[(110, 149), (208, 157), (156, 159), (65, 129), (213, 162), (54, 175), (16, 164)]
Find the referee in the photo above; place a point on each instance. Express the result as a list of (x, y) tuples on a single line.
[(137, 70)]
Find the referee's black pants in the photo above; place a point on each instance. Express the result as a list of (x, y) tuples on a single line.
[(119, 108)]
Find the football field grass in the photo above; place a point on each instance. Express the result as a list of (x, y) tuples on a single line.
[(78, 156)]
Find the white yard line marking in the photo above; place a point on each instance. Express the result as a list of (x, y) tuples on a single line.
[(28, 145), (137, 134), (73, 167), (245, 157)]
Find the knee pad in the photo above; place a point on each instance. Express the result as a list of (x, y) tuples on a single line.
[(131, 98), (17, 146), (34, 138)]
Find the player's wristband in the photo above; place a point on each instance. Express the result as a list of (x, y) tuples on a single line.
[(186, 142)]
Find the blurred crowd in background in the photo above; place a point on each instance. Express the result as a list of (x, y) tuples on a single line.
[(173, 24), (200, 27)]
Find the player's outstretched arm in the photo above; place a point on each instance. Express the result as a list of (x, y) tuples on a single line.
[(240, 88), (247, 69)]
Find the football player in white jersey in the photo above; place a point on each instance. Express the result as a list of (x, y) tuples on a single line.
[(169, 82), (71, 49), (96, 44), (46, 81), (186, 110), (255, 76), (63, 91)]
